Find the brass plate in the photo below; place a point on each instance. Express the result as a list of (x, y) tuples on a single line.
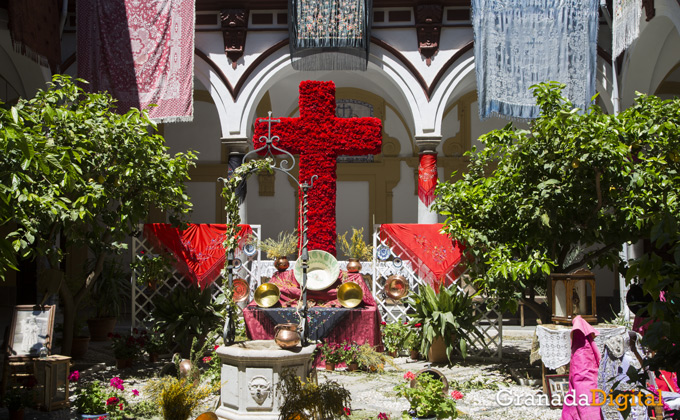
[(267, 295), (350, 294)]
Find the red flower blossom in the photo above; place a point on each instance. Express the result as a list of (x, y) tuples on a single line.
[(418, 325), (112, 401), (207, 359), (457, 395), (217, 346), (383, 416), (74, 376), (383, 323), (135, 393), (347, 411), (120, 407), (410, 376)]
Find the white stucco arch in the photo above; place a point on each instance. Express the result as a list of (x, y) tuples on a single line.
[(652, 56)]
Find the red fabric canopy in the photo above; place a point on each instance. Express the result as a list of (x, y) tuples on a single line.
[(199, 248), (434, 254)]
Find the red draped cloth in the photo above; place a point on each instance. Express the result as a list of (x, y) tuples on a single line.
[(427, 178), (34, 27), (361, 325), (436, 257), (199, 248)]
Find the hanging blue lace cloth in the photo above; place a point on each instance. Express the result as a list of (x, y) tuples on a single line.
[(519, 43)]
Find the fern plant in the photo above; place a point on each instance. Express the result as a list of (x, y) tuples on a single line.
[(308, 399)]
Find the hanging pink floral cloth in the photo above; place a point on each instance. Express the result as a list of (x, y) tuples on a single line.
[(585, 361), (199, 249)]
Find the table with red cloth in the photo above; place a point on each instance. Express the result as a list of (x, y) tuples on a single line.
[(360, 324)]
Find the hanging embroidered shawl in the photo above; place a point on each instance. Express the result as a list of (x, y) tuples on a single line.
[(519, 43), (142, 52), (34, 27), (199, 248), (625, 25), (329, 34), (435, 256), (427, 178)]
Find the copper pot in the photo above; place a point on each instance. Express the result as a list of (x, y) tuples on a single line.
[(281, 263), (353, 266), (286, 335)]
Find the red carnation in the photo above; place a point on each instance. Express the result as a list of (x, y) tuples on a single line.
[(112, 401)]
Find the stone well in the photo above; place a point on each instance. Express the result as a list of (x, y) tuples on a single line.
[(250, 372)]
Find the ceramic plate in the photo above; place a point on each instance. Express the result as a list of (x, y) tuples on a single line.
[(383, 252), (323, 270)]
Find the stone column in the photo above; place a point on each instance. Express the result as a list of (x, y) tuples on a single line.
[(237, 147), (427, 146)]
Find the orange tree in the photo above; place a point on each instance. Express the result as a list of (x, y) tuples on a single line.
[(76, 173), (566, 193)]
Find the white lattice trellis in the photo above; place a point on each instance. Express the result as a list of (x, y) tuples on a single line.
[(143, 296), (401, 262)]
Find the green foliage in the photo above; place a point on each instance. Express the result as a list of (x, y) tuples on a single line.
[(329, 400), (127, 346), (187, 313), (356, 247), (177, 398), (370, 360), (426, 398), (97, 398), (660, 271), (447, 314), (330, 352), (285, 244), (395, 335), (151, 269), (563, 194), (110, 289), (16, 398)]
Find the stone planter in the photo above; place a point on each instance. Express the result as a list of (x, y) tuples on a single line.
[(250, 372), (437, 352), (353, 366)]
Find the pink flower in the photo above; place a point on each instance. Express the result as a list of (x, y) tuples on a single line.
[(347, 411), (206, 359), (383, 416), (74, 376), (120, 407), (112, 401), (409, 376), (117, 383), (457, 395), (102, 418), (135, 393)]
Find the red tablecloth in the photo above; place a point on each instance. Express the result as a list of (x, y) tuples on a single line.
[(361, 325)]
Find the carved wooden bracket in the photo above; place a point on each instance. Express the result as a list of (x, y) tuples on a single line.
[(234, 28), (650, 11), (428, 26)]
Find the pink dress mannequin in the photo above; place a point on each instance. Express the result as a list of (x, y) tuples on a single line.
[(585, 361)]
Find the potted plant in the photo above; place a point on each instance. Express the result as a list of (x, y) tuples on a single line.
[(177, 398), (394, 336), (16, 399), (99, 401), (348, 355), (426, 398), (126, 348), (185, 314), (279, 249), (310, 400), (151, 269), (446, 319), (331, 354), (370, 360), (154, 345), (109, 290), (355, 249)]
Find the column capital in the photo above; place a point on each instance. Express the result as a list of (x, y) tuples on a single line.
[(236, 145), (427, 144)]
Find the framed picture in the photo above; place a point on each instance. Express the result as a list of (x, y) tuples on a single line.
[(31, 329), (557, 385)]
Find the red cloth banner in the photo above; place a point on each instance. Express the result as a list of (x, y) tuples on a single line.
[(199, 248), (427, 178), (142, 52), (34, 27), (434, 254)]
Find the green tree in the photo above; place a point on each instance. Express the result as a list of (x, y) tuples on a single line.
[(566, 193), (76, 173)]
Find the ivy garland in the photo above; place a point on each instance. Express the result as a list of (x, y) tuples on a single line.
[(231, 206)]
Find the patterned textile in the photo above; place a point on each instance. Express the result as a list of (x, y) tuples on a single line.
[(519, 43), (625, 25), (330, 34), (433, 254), (555, 343), (34, 27), (616, 359), (427, 178), (142, 52), (199, 248), (321, 320)]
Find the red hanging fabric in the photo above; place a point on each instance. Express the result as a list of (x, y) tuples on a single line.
[(434, 254), (199, 248), (427, 178)]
